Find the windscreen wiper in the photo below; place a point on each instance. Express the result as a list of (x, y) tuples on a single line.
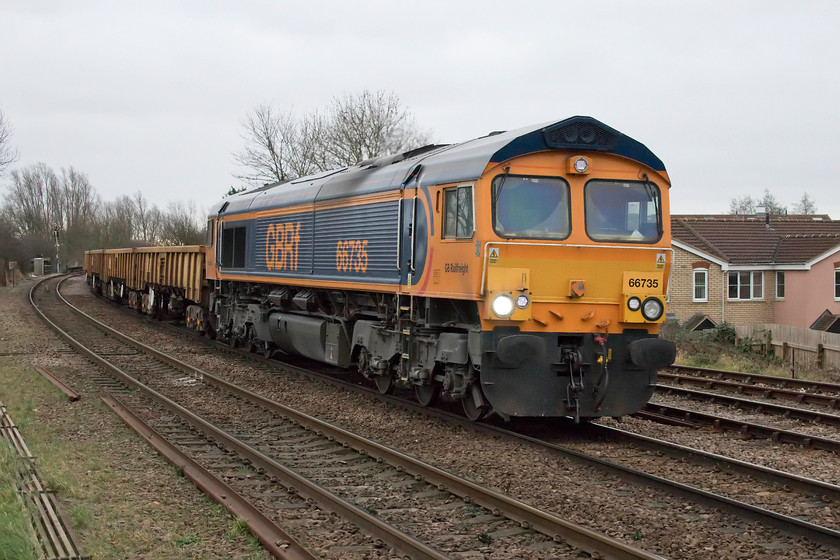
[(502, 184), (651, 192)]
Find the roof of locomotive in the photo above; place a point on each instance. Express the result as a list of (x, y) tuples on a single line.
[(438, 165)]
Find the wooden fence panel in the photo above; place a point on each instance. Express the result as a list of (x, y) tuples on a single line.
[(807, 346)]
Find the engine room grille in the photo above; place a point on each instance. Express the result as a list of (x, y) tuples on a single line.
[(579, 134)]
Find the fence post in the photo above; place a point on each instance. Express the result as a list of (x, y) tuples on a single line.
[(820, 356), (792, 362)]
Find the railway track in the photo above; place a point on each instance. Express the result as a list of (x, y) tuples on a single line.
[(331, 468), (742, 428), (751, 405), (765, 386), (738, 477)]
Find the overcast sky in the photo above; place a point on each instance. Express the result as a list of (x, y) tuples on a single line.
[(734, 96)]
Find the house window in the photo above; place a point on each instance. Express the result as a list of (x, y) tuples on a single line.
[(701, 285), (780, 285), (837, 284), (458, 213), (745, 286)]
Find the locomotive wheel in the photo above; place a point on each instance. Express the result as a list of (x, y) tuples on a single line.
[(427, 395), (472, 412), (384, 384)]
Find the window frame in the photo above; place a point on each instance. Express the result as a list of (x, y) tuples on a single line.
[(780, 275), (514, 235), (209, 235), (233, 237), (618, 239), (837, 284), (444, 234), (751, 286), (694, 286)]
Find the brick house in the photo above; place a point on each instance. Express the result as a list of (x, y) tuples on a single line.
[(753, 269)]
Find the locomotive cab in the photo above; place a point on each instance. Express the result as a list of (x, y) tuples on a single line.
[(574, 279)]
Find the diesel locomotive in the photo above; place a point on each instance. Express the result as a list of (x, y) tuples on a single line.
[(523, 273)]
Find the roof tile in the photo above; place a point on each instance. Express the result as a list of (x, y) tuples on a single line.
[(747, 240)]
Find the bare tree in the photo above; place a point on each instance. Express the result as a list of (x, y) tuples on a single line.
[(34, 199), (79, 200), (8, 155), (81, 209), (279, 147), (770, 204), (148, 221), (270, 139), (181, 225), (369, 124), (749, 205), (805, 205), (13, 247), (117, 223), (742, 205)]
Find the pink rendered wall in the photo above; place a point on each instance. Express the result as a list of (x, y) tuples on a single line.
[(807, 294)]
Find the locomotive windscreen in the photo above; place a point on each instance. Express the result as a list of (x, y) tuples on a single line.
[(531, 207)]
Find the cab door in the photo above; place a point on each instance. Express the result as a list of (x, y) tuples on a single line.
[(211, 269)]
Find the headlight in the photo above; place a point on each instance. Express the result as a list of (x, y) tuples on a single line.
[(522, 301), (634, 303), (503, 306), (652, 309)]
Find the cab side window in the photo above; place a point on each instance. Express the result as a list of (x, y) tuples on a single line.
[(458, 221)]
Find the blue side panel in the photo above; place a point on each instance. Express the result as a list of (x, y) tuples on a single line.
[(357, 243), (420, 224), (282, 246)]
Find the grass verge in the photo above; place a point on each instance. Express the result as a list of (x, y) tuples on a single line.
[(121, 498), (15, 529)]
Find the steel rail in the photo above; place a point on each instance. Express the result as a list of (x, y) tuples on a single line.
[(772, 380), (70, 393), (787, 524), (528, 517), (751, 405), (829, 401), (404, 544), (824, 491), (269, 534), (791, 525), (745, 428), (816, 488), (275, 540)]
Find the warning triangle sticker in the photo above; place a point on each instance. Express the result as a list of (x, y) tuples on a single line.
[(660, 261)]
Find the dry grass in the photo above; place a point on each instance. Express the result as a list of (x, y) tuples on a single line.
[(120, 497), (15, 530), (713, 350)]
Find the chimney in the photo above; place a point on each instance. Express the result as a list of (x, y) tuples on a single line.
[(759, 210)]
